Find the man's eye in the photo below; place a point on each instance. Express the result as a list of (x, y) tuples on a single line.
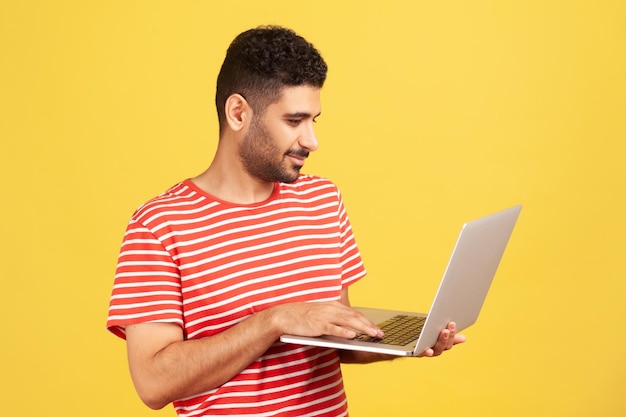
[(294, 122)]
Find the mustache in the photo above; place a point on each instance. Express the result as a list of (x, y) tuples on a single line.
[(298, 152)]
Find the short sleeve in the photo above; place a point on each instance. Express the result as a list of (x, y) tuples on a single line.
[(147, 284), (351, 262)]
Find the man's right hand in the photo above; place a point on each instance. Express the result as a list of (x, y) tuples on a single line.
[(324, 318)]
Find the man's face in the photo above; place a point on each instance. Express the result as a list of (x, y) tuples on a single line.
[(278, 142)]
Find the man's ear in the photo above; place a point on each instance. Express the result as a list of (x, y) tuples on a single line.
[(238, 112)]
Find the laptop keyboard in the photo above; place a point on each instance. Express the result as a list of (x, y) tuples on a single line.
[(399, 330)]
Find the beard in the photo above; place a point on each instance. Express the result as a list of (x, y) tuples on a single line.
[(264, 160)]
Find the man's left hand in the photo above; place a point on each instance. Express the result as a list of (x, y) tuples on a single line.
[(447, 338)]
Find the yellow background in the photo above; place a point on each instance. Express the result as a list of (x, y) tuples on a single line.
[(434, 113)]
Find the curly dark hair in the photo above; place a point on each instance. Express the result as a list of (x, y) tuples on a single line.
[(261, 61)]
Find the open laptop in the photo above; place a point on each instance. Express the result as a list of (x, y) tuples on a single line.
[(460, 296)]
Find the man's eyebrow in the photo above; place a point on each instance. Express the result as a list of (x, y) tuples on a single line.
[(301, 115)]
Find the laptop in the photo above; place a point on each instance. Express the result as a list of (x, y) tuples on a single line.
[(462, 291)]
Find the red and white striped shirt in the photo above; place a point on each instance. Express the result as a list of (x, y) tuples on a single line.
[(206, 264)]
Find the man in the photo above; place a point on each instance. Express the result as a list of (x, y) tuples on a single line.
[(212, 272)]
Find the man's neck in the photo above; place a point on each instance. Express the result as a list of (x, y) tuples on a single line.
[(229, 181)]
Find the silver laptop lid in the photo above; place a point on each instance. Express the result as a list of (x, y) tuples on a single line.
[(468, 276)]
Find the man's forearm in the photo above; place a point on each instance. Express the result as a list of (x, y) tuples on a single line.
[(188, 367), (166, 368)]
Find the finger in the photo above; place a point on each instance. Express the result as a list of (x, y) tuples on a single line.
[(459, 338), (348, 331), (339, 331), (356, 321), (427, 353), (370, 328), (442, 342), (450, 340)]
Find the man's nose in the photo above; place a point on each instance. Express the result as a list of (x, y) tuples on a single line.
[(308, 140)]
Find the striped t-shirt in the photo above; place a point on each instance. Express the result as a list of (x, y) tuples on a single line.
[(206, 264)]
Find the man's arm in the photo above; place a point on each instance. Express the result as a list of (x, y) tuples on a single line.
[(165, 367), (447, 339)]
